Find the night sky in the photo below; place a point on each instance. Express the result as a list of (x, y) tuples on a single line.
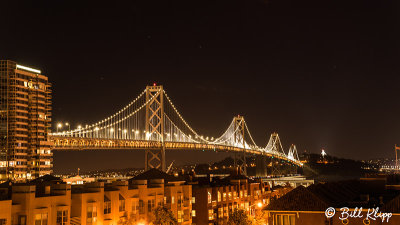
[(323, 74)]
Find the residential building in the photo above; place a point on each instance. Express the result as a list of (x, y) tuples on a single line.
[(25, 115), (307, 206), (50, 201), (215, 199)]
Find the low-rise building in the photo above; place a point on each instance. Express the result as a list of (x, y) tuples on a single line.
[(308, 206), (50, 201), (215, 199)]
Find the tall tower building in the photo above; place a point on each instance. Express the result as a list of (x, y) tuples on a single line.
[(25, 115)]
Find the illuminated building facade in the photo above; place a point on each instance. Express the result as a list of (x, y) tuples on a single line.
[(25, 105), (50, 201), (214, 200)]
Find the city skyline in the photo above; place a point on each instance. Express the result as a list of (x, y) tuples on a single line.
[(315, 82)]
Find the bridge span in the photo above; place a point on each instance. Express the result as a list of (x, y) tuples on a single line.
[(152, 123)]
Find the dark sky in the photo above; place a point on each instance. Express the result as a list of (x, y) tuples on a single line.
[(323, 74)]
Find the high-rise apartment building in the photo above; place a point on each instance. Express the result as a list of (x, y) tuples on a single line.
[(25, 115)]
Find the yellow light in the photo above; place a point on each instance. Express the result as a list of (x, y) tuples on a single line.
[(112, 130), (59, 125), (28, 69), (259, 205)]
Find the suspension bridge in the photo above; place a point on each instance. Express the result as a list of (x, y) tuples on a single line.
[(152, 122)]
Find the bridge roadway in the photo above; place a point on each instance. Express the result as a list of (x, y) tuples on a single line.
[(79, 143)]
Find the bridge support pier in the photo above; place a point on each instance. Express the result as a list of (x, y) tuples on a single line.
[(240, 157), (155, 158)]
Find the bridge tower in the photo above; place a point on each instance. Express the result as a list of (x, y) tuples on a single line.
[(240, 157), (154, 124)]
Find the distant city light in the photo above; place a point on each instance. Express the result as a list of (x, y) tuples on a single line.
[(323, 153)]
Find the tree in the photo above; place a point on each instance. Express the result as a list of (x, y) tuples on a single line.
[(163, 216), (239, 217)]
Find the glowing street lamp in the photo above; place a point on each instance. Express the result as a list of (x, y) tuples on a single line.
[(67, 124), (59, 126)]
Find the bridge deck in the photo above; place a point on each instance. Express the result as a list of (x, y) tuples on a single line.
[(78, 143)]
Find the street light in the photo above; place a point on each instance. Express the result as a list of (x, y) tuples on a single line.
[(67, 124), (59, 126)]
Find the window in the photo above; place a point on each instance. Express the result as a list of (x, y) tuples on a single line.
[(41, 219), (180, 219), (245, 193), (107, 207), (210, 214), (91, 214), (193, 200), (180, 200), (4, 221), (172, 200), (209, 197), (121, 203), (224, 197), (151, 204), (230, 195), (219, 196), (62, 217), (135, 207), (220, 212), (21, 220), (285, 219), (241, 194), (141, 207), (193, 213)]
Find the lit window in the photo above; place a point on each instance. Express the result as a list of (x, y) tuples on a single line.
[(219, 196), (224, 196), (193, 213), (193, 200), (180, 219), (210, 214), (220, 212), (91, 214), (209, 197)]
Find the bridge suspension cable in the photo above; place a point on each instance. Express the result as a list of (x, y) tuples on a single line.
[(149, 118)]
